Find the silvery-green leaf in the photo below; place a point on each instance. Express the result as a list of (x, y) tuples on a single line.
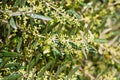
[(38, 16), (12, 23)]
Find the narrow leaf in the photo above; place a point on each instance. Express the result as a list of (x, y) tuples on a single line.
[(12, 23), (69, 57), (84, 52), (62, 68), (19, 44), (17, 2), (74, 45), (72, 12), (31, 64), (56, 51), (14, 76), (72, 72), (9, 65), (10, 54), (4, 62), (37, 57), (37, 16), (47, 66), (100, 40)]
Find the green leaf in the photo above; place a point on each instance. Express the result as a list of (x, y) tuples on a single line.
[(19, 44), (38, 56), (100, 40), (62, 68), (72, 12), (84, 52), (4, 62), (53, 64), (72, 72), (34, 45), (9, 65), (20, 3), (47, 66), (17, 2), (113, 33), (82, 3), (37, 16), (31, 64), (69, 57), (1, 60), (92, 49), (10, 54), (12, 23), (14, 76), (56, 51), (74, 46)]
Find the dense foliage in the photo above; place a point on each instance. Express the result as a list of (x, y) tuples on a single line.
[(59, 40)]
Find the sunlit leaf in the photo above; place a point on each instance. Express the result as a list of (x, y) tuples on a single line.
[(72, 12), (92, 49), (12, 23), (115, 33), (56, 51), (19, 44), (100, 40), (38, 16), (84, 52)]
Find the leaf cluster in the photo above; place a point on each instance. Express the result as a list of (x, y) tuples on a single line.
[(59, 40)]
